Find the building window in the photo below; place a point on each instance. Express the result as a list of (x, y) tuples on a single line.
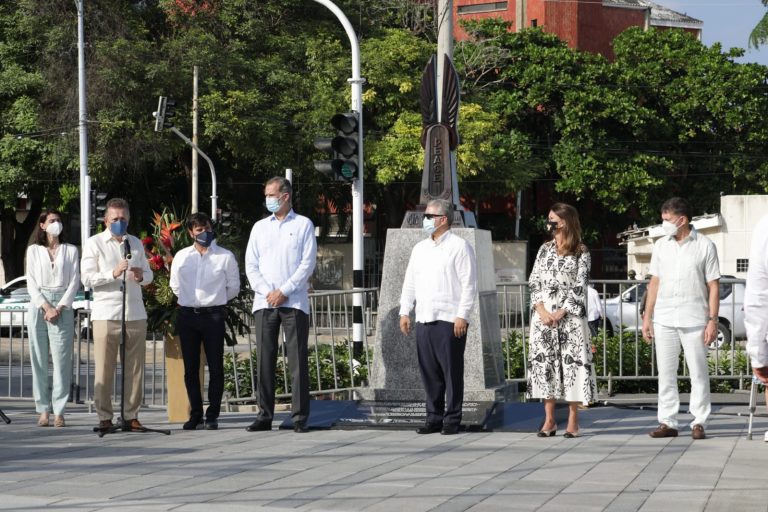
[(742, 264), (534, 23), (486, 7)]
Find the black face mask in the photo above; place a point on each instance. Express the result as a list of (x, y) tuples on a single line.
[(551, 226), (205, 238)]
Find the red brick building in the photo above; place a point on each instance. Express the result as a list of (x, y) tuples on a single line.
[(589, 25)]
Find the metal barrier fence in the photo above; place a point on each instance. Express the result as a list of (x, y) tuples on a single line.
[(621, 356), (332, 370)]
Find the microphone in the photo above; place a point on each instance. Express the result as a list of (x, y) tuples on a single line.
[(126, 249)]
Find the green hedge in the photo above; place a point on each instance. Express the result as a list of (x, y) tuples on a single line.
[(320, 356), (640, 351)]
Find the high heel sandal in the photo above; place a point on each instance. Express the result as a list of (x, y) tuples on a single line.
[(547, 433), (42, 421), (58, 421)]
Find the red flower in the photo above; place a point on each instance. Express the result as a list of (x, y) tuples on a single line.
[(147, 241), (156, 262)]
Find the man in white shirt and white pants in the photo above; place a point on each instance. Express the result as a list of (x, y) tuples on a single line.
[(756, 303), (102, 266), (441, 279), (204, 277), (681, 309)]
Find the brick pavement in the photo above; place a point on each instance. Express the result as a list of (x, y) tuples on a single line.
[(615, 466)]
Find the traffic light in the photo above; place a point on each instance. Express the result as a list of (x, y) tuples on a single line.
[(98, 207), (342, 149), (166, 110), (225, 222)]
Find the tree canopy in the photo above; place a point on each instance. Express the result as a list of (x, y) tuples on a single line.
[(667, 116)]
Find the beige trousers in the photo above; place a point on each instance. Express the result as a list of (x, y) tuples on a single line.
[(106, 342)]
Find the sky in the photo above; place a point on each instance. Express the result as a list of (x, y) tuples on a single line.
[(725, 21)]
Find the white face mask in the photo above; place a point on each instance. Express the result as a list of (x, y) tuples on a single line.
[(669, 228), (54, 228), (273, 204), (428, 225)]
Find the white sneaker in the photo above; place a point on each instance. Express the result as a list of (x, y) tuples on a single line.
[(765, 437)]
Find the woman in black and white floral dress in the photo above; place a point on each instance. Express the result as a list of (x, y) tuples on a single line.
[(559, 355)]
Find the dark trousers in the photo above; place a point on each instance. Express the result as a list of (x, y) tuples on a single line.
[(206, 328), (295, 325), (594, 326), (441, 361)]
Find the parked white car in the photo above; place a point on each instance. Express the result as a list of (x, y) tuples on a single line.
[(625, 310), (14, 301)]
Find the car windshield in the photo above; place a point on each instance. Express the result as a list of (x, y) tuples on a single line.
[(634, 293), (725, 290)]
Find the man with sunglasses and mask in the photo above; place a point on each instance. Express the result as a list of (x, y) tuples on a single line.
[(204, 277), (109, 258), (279, 261), (441, 279), (681, 309)]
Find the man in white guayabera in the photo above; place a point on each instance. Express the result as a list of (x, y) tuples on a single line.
[(681, 309), (441, 279)]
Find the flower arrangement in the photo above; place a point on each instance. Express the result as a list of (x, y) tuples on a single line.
[(167, 237)]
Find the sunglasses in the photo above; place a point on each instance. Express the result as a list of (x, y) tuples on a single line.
[(433, 215)]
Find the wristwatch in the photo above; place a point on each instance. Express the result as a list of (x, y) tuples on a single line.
[(712, 318)]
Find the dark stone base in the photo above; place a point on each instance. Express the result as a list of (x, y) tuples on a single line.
[(408, 415)]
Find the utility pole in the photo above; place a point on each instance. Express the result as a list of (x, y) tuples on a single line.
[(195, 177), (85, 182), (356, 83)]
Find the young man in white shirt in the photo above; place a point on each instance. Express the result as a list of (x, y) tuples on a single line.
[(279, 262), (756, 303), (594, 310), (681, 309), (204, 277), (442, 279), (106, 257)]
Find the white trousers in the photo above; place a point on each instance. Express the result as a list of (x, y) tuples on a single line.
[(668, 341)]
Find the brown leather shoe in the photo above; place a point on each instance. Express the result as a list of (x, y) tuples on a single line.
[(135, 425), (698, 432), (105, 424), (664, 431)]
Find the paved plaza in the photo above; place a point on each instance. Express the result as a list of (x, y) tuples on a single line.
[(614, 466)]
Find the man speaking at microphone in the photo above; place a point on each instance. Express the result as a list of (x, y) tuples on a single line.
[(107, 256)]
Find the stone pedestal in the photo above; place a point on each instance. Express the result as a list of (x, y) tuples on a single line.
[(395, 373)]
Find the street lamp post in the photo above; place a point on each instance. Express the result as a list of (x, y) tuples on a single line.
[(214, 197), (356, 83)]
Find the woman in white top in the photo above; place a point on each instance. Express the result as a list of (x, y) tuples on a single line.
[(53, 277)]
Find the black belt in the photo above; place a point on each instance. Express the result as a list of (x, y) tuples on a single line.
[(203, 311)]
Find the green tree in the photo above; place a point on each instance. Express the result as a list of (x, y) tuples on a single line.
[(759, 34), (668, 117)]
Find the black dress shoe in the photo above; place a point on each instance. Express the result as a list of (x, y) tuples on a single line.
[(211, 424), (300, 427), (449, 430), (429, 428), (259, 425), (193, 423)]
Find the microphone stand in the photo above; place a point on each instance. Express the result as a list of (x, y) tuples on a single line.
[(122, 424)]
